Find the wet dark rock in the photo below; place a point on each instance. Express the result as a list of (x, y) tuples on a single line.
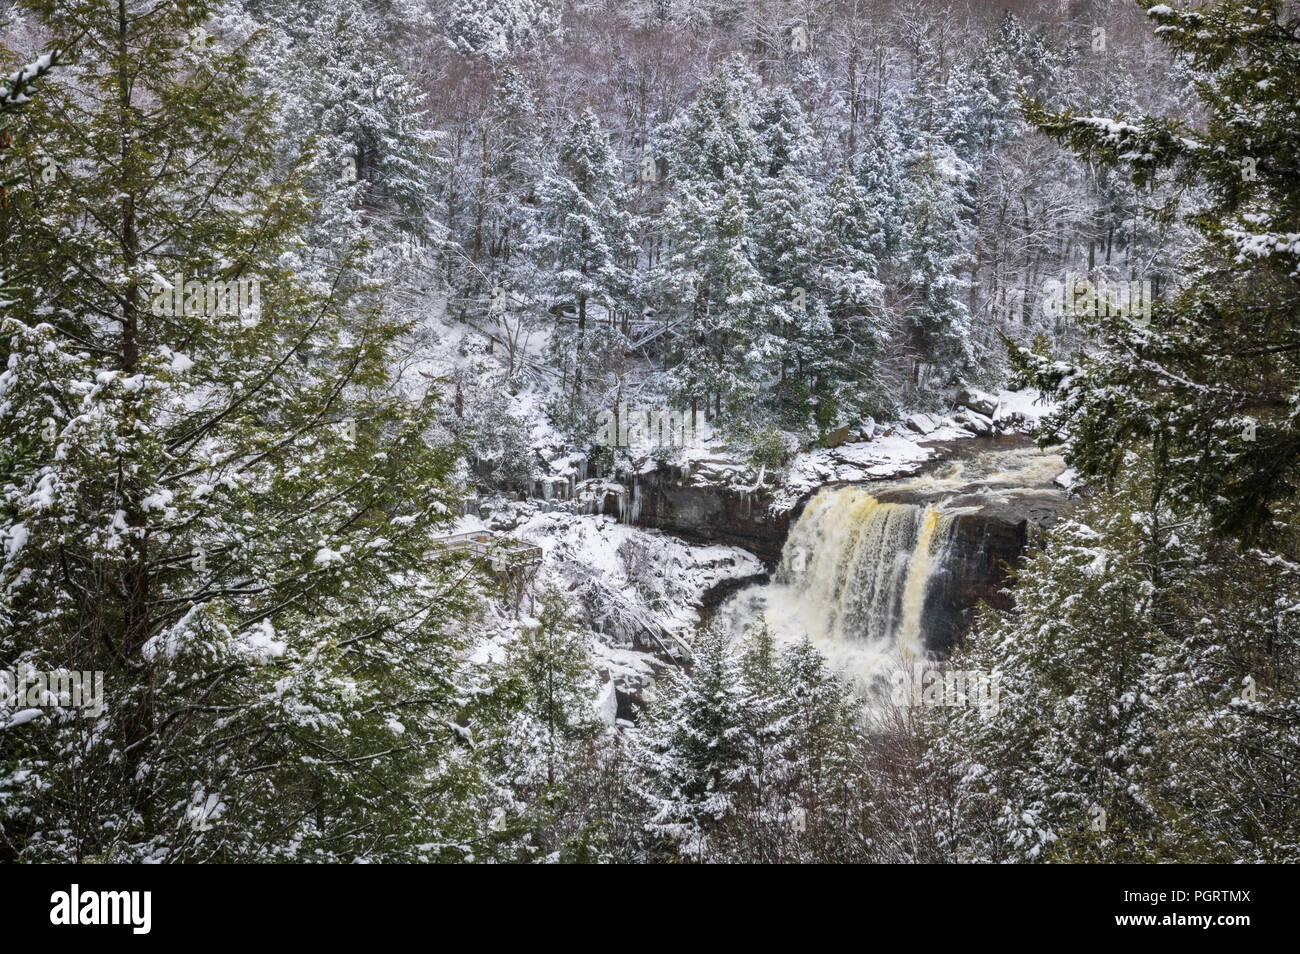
[(708, 514), (978, 401), (986, 544)]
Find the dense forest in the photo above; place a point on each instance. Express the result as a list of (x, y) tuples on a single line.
[(301, 302)]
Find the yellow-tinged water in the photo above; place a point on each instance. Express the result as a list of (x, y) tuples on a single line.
[(856, 572), (934, 528)]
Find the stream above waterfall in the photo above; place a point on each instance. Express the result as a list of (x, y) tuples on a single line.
[(889, 571)]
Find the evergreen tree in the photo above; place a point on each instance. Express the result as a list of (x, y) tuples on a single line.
[(692, 748), (376, 158), (788, 244), (1211, 379), (854, 297), (1152, 714), (556, 676), (881, 173), (238, 537), (553, 742), (1066, 764), (938, 320), (583, 245), (730, 311)]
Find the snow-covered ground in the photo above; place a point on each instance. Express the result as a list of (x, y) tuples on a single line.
[(639, 591), (628, 578), (901, 448)]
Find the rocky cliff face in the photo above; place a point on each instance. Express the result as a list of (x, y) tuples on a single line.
[(994, 523), (983, 550), (665, 500)]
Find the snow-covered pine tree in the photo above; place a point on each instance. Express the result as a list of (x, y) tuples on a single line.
[(822, 728), (1152, 713), (554, 673), (758, 826), (729, 348), (236, 534), (499, 29), (881, 171), (553, 742), (339, 89), (938, 319), (1213, 379), (1065, 765), (936, 208), (582, 249), (787, 243), (692, 749), (1178, 746), (854, 298)]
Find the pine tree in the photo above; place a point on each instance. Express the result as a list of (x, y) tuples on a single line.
[(1152, 714), (936, 255), (1064, 767), (500, 29), (553, 744), (375, 157), (237, 534), (692, 747), (822, 726), (854, 297), (711, 271), (583, 243), (759, 824), (787, 246), (556, 675), (1211, 378), (881, 173)]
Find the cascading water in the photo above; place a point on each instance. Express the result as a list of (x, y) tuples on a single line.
[(875, 578), (931, 546), (854, 570)]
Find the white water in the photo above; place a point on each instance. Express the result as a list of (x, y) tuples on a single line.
[(853, 578), (855, 572)]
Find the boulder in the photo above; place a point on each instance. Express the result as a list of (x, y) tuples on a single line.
[(841, 435), (974, 422), (981, 402), (921, 423)]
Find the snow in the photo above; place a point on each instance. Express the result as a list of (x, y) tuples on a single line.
[(629, 579), (261, 644), (901, 451), (325, 556), (21, 717), (607, 704), (1021, 409), (14, 539)]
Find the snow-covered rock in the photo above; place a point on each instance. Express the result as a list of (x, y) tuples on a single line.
[(981, 402), (922, 423), (607, 704)]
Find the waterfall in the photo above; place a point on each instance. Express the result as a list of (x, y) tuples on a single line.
[(874, 583), (855, 573), (932, 541)]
